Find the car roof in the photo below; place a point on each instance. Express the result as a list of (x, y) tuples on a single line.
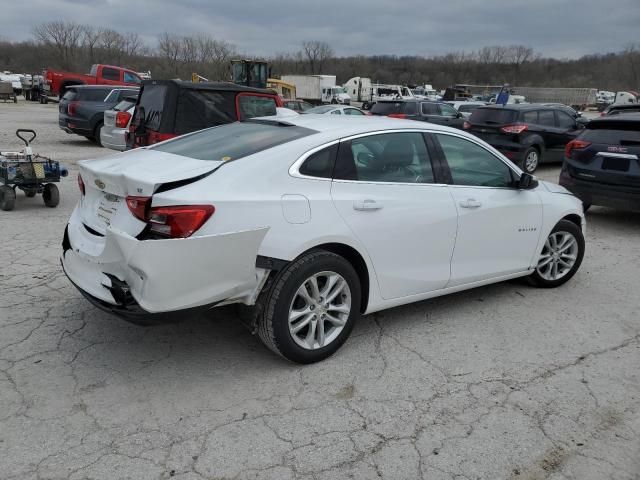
[(103, 87), (520, 107), (216, 86), (407, 100), (619, 119), (624, 106), (353, 125)]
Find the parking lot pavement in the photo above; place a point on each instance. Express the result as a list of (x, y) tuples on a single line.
[(504, 381)]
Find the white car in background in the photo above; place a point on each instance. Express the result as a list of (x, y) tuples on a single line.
[(466, 108), (313, 221), (334, 110), (113, 133)]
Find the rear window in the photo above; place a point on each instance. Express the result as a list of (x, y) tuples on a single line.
[(91, 94), (252, 106), (233, 141), (493, 116), (124, 105), (627, 133), (152, 100), (387, 108)]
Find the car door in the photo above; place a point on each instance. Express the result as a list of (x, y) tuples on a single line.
[(568, 130), (553, 136), (385, 189), (431, 113), (498, 224)]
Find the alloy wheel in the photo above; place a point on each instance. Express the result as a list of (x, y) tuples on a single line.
[(531, 162), (319, 310), (558, 257)]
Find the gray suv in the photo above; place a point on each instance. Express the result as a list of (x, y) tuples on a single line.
[(423, 110)]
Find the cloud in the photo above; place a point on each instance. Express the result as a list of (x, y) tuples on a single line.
[(570, 28)]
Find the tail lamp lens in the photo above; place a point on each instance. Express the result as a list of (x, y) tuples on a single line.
[(81, 185), (466, 125), (174, 221), (179, 221), (575, 145), (122, 119), (516, 128), (72, 107), (397, 115)]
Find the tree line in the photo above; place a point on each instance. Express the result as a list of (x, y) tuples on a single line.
[(72, 46)]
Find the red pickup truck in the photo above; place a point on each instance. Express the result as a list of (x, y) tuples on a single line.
[(57, 81)]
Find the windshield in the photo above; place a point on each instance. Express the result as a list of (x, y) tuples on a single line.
[(233, 141), (337, 90)]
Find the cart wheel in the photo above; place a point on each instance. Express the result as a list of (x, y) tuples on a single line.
[(7, 198), (30, 192), (51, 195)]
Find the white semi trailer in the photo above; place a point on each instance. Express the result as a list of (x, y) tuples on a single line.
[(318, 89)]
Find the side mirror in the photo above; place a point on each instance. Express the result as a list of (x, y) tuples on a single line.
[(527, 182), (459, 115)]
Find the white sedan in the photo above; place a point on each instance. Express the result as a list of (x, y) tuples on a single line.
[(335, 110), (312, 221)]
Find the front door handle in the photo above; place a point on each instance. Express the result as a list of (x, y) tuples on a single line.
[(470, 203), (367, 205)]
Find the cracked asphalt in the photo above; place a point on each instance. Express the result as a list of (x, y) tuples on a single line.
[(500, 382)]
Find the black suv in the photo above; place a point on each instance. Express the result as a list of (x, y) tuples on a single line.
[(602, 165), (81, 109), (433, 112), (527, 134), (622, 108)]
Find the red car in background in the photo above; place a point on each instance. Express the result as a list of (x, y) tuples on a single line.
[(57, 81)]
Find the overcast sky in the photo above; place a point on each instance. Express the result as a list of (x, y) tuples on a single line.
[(556, 28)]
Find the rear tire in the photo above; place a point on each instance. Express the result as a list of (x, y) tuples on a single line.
[(531, 160), (51, 195), (7, 198), (96, 134), (297, 336), (564, 246)]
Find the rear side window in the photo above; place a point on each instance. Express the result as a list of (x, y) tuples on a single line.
[(252, 106), (389, 157), (493, 116), (124, 105), (387, 108), (430, 109), (320, 164), (233, 141), (110, 74), (613, 136), (92, 94)]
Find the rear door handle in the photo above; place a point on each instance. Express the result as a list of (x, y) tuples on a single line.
[(367, 204), (470, 203)]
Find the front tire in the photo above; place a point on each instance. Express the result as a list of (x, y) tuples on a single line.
[(561, 256), (311, 307)]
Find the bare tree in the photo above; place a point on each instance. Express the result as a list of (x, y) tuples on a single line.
[(170, 47), (90, 40), (63, 37), (317, 54)]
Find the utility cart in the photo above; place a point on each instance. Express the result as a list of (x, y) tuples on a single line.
[(33, 174), (7, 92)]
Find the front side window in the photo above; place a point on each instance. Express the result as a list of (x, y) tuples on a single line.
[(110, 74), (430, 109), (352, 111), (131, 78), (336, 112), (470, 164), (565, 121), (251, 106), (530, 117), (390, 157), (448, 111)]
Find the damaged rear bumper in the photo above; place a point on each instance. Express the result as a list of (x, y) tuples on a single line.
[(134, 278)]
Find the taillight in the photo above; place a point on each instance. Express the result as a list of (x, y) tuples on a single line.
[(122, 119), (574, 145), (81, 184), (174, 221), (72, 108), (466, 125), (154, 137), (139, 206), (397, 115), (516, 128), (179, 221)]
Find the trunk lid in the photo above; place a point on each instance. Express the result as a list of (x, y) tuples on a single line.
[(108, 181)]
